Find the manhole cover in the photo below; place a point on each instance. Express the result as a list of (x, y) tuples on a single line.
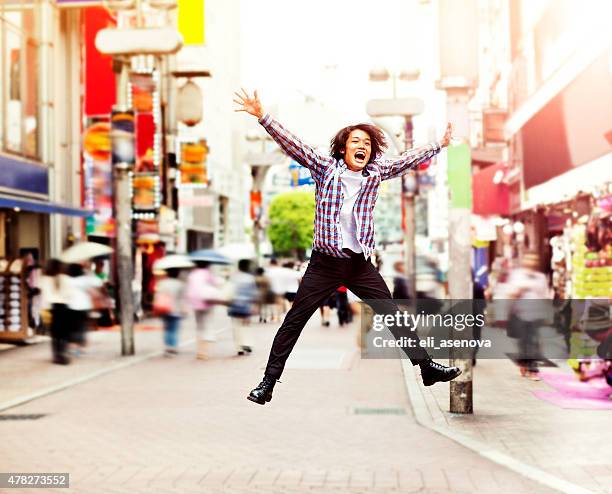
[(379, 411), (22, 416)]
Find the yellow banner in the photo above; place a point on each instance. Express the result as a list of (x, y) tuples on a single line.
[(191, 21)]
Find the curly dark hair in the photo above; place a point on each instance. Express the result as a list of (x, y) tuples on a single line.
[(377, 137)]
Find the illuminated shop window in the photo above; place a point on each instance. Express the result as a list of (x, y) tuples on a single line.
[(19, 93)]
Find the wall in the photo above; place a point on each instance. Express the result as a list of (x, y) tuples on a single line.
[(221, 126)]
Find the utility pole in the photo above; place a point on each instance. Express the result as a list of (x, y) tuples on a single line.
[(406, 108), (260, 163), (123, 229), (410, 190), (258, 173), (121, 43), (459, 71)]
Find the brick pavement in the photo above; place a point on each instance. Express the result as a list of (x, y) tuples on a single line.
[(182, 425), (571, 444), (27, 370)]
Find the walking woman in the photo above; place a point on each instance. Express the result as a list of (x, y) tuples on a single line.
[(53, 288)]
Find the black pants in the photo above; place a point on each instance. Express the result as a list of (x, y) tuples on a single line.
[(59, 332), (323, 276)]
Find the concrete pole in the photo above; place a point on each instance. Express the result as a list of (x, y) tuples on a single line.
[(123, 246), (408, 204), (258, 172), (459, 273)]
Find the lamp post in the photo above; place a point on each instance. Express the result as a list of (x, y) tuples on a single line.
[(259, 164), (121, 43), (406, 108)]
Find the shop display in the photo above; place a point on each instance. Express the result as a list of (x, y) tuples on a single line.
[(591, 268), (14, 301)]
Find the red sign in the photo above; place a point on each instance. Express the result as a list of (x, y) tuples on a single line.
[(98, 72), (255, 204)]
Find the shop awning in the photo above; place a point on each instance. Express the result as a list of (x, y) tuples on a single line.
[(40, 206)]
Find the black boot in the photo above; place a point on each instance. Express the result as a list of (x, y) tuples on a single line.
[(263, 392), (432, 372)]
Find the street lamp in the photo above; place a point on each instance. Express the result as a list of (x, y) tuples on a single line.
[(382, 74), (259, 163), (407, 108), (121, 43)]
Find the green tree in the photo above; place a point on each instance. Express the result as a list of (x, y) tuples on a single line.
[(291, 228)]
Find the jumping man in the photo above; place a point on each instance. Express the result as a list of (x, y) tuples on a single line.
[(347, 185)]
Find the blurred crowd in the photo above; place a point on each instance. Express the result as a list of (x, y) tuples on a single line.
[(249, 293), (72, 297)]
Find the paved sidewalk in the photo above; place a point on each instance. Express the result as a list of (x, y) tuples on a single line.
[(337, 424), (27, 370), (570, 444)]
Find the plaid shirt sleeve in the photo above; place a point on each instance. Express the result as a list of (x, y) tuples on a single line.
[(410, 159), (304, 154)]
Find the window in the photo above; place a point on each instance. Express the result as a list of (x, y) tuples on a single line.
[(19, 127)]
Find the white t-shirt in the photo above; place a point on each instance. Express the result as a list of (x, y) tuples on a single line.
[(277, 279), (283, 280), (292, 280), (53, 290), (78, 297), (351, 185)]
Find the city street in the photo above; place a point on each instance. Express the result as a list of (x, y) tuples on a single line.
[(337, 423), (172, 171)]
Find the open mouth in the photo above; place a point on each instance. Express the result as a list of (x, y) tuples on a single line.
[(360, 155)]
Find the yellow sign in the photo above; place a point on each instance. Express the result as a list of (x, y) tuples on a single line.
[(193, 163), (191, 21)]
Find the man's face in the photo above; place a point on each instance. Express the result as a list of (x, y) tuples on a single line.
[(357, 150)]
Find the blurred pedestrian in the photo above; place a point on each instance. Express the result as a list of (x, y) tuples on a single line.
[(53, 292), (479, 305), (101, 297), (342, 305), (292, 282), (275, 274), (203, 291), (400, 282), (241, 306), (530, 292), (168, 304), (266, 299), (348, 182), (81, 287)]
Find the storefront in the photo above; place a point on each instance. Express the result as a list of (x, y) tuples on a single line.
[(24, 242), (581, 243)]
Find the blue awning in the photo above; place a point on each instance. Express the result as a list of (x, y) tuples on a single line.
[(48, 207)]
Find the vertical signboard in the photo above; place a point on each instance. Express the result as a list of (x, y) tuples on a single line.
[(146, 181), (98, 176)]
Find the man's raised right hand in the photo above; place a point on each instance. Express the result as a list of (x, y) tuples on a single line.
[(249, 104)]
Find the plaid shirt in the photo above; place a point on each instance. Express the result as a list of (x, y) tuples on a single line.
[(326, 172)]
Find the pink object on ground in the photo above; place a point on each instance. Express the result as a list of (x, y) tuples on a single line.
[(571, 393)]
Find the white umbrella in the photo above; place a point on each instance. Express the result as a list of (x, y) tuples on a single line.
[(84, 251), (173, 261), (238, 251)]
